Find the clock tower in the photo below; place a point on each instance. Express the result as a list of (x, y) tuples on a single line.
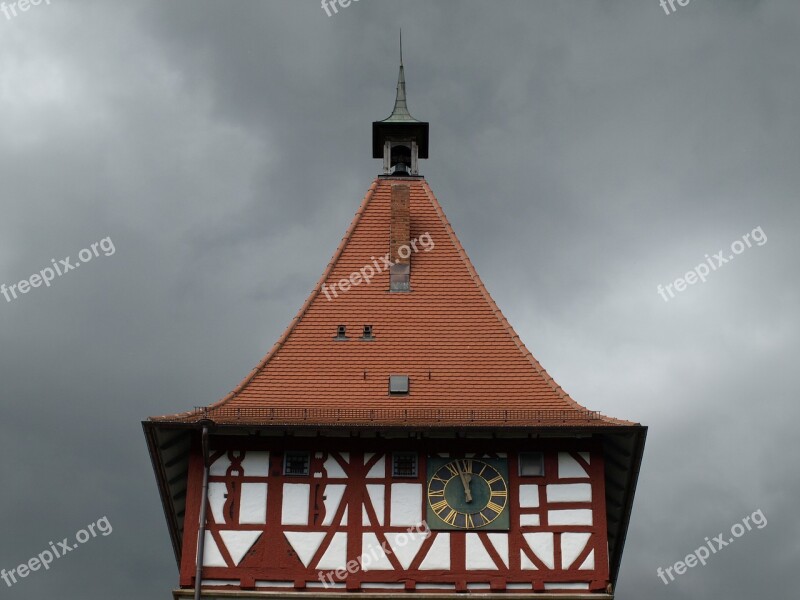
[(399, 439)]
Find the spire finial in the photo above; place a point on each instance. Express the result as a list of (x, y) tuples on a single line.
[(401, 46)]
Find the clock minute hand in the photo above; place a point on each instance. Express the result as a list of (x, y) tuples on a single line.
[(465, 479)]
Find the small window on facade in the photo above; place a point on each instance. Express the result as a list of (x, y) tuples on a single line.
[(404, 464), (531, 464), (296, 463), (367, 332), (398, 384), (341, 332), (399, 277)]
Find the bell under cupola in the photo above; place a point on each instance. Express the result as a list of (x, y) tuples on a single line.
[(400, 139)]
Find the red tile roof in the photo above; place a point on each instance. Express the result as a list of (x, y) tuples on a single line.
[(467, 366)]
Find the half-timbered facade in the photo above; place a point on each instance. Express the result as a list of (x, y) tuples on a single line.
[(399, 438)]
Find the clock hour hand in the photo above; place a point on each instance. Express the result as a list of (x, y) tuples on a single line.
[(465, 479)]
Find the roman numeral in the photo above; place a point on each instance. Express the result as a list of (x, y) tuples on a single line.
[(436, 493), (494, 507), (470, 522), (500, 494), (439, 506), (498, 478), (450, 519), (452, 469), (437, 478), (467, 465)]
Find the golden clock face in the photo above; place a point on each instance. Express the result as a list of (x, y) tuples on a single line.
[(467, 493)]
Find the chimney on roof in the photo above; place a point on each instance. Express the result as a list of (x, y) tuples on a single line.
[(399, 238)]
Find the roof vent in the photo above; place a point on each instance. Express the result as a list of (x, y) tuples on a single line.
[(367, 333), (341, 333), (398, 384)]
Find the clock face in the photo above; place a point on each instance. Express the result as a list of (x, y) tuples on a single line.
[(467, 493)]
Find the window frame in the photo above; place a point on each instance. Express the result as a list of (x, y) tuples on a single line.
[(286, 456), (520, 460), (414, 456)]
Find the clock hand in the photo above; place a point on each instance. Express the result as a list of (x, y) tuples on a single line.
[(465, 479)]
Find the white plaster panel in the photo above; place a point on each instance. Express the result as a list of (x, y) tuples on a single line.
[(335, 556), (569, 467), (438, 557), (570, 517), (406, 506), (529, 520), (542, 545), (569, 492), (500, 543), (216, 500), (253, 508), (566, 586), (256, 464), (279, 584), (386, 586), (305, 543), (333, 468), (529, 496), (377, 496), (477, 557), (212, 557), (326, 585), (526, 563), (588, 564), (373, 557), (333, 496), (220, 466), (378, 469), (572, 544), (478, 586), (295, 504), (405, 545), (239, 543), (518, 586)]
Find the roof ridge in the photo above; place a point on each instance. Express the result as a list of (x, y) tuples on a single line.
[(461, 255), (561, 392), (288, 331)]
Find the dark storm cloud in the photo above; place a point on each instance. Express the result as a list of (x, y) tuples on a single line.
[(585, 152)]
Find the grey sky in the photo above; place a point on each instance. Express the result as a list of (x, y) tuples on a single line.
[(584, 151)]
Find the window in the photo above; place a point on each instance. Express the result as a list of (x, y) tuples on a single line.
[(531, 464), (367, 333), (341, 332), (398, 384), (399, 277), (404, 464), (296, 463)]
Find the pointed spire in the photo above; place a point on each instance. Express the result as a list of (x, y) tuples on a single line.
[(400, 136), (400, 112)]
